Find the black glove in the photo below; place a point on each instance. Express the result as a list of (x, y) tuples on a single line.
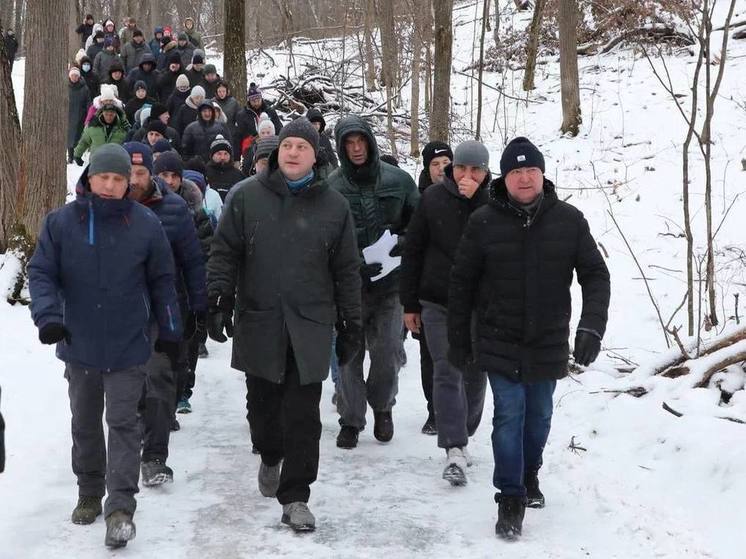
[(349, 341), (195, 324), (220, 317), (587, 347), (52, 333), (462, 359), (78, 161), (368, 271), (201, 327), (170, 349), (398, 248)]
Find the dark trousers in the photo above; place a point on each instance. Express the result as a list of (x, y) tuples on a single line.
[(158, 406), (286, 425), (520, 429), (97, 473), (190, 370), (426, 371)]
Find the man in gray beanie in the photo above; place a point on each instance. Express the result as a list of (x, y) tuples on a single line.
[(102, 286), (284, 254), (513, 269)]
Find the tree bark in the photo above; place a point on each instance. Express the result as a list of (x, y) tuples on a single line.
[(485, 20), (19, 25), (414, 109), (389, 62), (570, 82), (441, 101), (235, 48), (533, 45), (496, 27)]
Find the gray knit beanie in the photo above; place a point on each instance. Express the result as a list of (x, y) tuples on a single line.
[(301, 127), (472, 153), (110, 158)]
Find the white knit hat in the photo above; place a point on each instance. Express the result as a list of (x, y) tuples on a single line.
[(265, 122)]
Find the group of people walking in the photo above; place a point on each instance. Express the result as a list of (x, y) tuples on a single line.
[(127, 277)]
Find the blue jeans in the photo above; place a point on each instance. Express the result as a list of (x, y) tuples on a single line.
[(520, 428)]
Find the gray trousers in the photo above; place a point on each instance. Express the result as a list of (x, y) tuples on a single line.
[(158, 407), (118, 473), (382, 322), (458, 395)]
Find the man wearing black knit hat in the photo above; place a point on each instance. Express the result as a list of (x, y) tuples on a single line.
[(436, 156), (514, 268), (284, 257), (221, 172)]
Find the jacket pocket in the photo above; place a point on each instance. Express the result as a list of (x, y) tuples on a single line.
[(321, 313)]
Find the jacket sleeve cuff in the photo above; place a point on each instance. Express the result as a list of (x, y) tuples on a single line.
[(589, 331)]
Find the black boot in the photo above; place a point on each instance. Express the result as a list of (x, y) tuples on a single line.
[(347, 437), (87, 509), (119, 529), (430, 428), (70, 156), (534, 496), (383, 426), (510, 511)]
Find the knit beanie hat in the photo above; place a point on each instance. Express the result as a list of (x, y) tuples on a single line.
[(198, 57), (161, 146), (169, 161), (435, 149), (137, 33), (144, 114), (108, 42), (265, 122), (140, 154), (108, 93), (472, 153), (197, 91), (265, 146), (174, 58), (139, 84), (520, 152), (73, 71), (110, 158), (254, 92), (157, 110), (157, 126), (183, 36), (210, 69), (182, 83), (220, 144), (301, 128)]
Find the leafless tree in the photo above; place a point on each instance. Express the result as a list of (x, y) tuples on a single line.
[(440, 110), (235, 48), (533, 45), (570, 82)]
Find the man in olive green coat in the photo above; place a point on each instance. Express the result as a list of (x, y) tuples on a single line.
[(284, 258), (109, 126)]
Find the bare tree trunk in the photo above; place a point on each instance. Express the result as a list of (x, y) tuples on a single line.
[(496, 27), (388, 64), (441, 101), (414, 109), (485, 21), (533, 45), (235, 48), (19, 25), (155, 16), (73, 39), (570, 82), (370, 58)]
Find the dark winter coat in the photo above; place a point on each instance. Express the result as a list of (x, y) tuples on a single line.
[(230, 108), (292, 264), (326, 156), (77, 109), (424, 180), (196, 77), (199, 135), (90, 77), (155, 48), (140, 74), (98, 133), (135, 104), (246, 122), (101, 268), (223, 177), (514, 270), (381, 196), (189, 259), (11, 46), (85, 30), (166, 83), (433, 237), (132, 55), (124, 92), (103, 62), (210, 87), (185, 115), (186, 54), (93, 50)]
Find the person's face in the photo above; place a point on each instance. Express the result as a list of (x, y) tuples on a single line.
[(468, 178), (255, 103), (141, 93), (174, 67), (89, 21), (437, 168), (138, 39), (222, 92), (110, 48), (158, 36), (316, 125), (211, 77), (164, 117), (116, 75), (206, 114), (131, 24), (109, 116), (189, 24), (261, 165), (265, 132), (99, 40), (86, 67), (172, 180), (108, 185), (148, 67), (356, 147), (524, 184), (221, 157), (197, 99), (295, 158), (198, 66), (182, 42), (139, 182), (154, 136), (110, 27), (74, 78)]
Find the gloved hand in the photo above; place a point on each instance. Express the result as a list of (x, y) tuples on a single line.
[(170, 349), (587, 347), (460, 358), (195, 324), (398, 248), (78, 161), (220, 317), (368, 271), (201, 327), (349, 341), (52, 333)]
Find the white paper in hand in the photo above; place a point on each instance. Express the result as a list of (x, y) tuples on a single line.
[(379, 252)]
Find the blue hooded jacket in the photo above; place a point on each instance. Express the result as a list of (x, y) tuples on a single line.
[(101, 267)]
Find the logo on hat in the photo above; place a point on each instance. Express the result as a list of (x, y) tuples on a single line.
[(137, 159), (440, 151), (521, 158)]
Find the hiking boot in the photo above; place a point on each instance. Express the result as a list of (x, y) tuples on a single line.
[(510, 511), (347, 437), (429, 428), (155, 472), (87, 509), (255, 450), (534, 496), (269, 479), (119, 529), (202, 351), (383, 426), (175, 426), (455, 470), (298, 517), (184, 406)]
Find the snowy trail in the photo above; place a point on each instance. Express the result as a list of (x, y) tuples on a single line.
[(373, 501)]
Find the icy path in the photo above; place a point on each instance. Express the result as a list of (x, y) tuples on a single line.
[(621, 498)]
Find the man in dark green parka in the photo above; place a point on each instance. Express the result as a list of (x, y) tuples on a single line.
[(284, 259)]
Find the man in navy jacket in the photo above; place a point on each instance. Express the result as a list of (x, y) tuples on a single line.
[(101, 268)]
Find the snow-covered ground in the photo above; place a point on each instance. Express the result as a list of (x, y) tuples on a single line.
[(647, 485)]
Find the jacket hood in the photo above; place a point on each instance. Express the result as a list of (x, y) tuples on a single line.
[(314, 115), (353, 124), (147, 58)]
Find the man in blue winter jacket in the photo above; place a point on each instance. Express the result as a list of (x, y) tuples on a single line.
[(101, 268)]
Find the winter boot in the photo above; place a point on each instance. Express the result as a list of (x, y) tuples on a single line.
[(119, 529), (155, 472), (534, 496), (175, 426), (347, 437), (510, 511), (383, 426), (269, 479), (429, 428), (184, 406), (87, 509), (298, 517), (202, 350), (70, 156), (455, 471)]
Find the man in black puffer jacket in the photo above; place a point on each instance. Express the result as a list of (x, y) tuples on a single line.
[(514, 268), (222, 174)]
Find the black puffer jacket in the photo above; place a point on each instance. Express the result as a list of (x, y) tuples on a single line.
[(222, 177), (200, 134), (433, 236), (246, 121), (515, 270)]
